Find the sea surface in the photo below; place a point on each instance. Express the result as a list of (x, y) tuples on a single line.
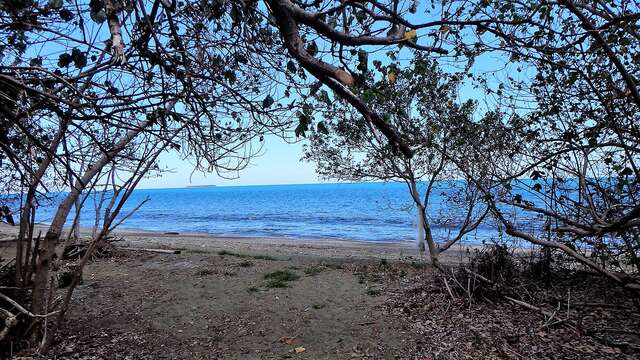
[(379, 212)]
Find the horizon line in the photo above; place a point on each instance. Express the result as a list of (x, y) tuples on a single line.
[(202, 186)]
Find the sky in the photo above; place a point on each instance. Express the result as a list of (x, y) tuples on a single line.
[(280, 164)]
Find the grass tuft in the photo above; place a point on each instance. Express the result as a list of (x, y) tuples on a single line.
[(282, 275), (264, 257), (231, 253), (205, 272), (276, 284), (419, 265), (373, 292), (314, 270)]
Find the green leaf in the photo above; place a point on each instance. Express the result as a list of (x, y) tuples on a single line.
[(363, 60), (236, 14), (312, 48), (267, 102), (411, 35), (303, 125), (230, 76), (64, 60), (322, 128), (66, 15), (79, 58), (626, 171), (55, 4), (99, 17), (291, 66)]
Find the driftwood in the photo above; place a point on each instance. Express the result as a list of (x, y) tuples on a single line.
[(162, 251), (77, 251)]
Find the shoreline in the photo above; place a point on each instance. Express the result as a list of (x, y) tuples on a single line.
[(125, 230), (328, 249)]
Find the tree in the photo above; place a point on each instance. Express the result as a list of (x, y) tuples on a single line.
[(573, 103), (420, 101), (209, 78), (73, 109)]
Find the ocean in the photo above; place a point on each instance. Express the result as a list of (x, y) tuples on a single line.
[(378, 212)]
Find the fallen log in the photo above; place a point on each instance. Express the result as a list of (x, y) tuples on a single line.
[(162, 251)]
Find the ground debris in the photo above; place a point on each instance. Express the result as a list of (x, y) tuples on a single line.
[(454, 327)]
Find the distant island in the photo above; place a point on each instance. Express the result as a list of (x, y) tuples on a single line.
[(200, 186)]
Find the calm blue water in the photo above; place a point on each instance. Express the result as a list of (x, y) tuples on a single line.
[(362, 211)]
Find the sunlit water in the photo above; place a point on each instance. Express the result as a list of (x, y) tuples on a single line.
[(361, 211)]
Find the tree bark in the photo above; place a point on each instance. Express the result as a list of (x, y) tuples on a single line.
[(52, 237), (25, 212), (434, 251)]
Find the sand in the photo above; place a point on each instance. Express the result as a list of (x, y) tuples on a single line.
[(340, 250)]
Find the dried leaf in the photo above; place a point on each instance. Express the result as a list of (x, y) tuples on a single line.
[(410, 34), (287, 340), (299, 349), (391, 76)]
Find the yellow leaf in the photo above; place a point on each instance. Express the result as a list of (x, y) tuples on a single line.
[(392, 76), (287, 340), (299, 349), (410, 35)]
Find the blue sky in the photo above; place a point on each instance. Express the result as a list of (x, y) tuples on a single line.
[(280, 164)]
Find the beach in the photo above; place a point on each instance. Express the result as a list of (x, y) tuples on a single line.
[(271, 246), (269, 298), (200, 304)]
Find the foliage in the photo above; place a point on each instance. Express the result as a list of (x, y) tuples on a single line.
[(93, 91), (420, 103)]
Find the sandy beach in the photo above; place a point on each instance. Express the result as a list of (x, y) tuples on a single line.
[(200, 304), (276, 247), (266, 298)]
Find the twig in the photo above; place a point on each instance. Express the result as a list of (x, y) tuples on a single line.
[(7, 263), (529, 306), (14, 288), (542, 311), (446, 283), (478, 276), (23, 310), (163, 251), (603, 305), (10, 321), (546, 323), (568, 302)]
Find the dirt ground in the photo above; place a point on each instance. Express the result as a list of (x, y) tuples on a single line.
[(207, 306), (318, 300)]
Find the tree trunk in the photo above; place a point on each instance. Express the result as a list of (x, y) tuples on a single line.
[(25, 212), (51, 239), (434, 251), (424, 228), (420, 230)]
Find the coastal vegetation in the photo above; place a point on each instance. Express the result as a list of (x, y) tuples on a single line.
[(529, 108)]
